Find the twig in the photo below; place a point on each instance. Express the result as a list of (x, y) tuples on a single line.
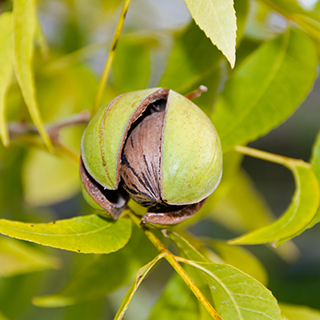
[(17, 129), (176, 266), (196, 93), (263, 155), (108, 64)]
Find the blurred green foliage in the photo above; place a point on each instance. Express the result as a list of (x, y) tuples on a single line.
[(52, 53)]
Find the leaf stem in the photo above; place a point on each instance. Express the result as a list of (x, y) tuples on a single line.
[(171, 258), (287, 162), (107, 67)]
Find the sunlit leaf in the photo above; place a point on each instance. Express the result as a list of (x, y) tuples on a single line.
[(5, 70), (103, 275), (17, 257), (294, 312), (242, 208), (241, 259), (315, 165), (237, 295), (218, 20), (87, 234), (176, 302), (266, 89), (141, 274), (24, 31), (296, 218), (48, 179)]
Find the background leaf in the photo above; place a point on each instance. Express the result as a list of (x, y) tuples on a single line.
[(218, 20), (24, 30), (17, 257), (251, 103), (241, 259), (87, 234), (43, 186), (176, 302), (5, 70), (293, 312), (297, 217), (242, 208), (2, 317), (141, 274), (103, 275)]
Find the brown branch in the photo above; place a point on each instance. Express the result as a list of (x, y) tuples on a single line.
[(18, 129)]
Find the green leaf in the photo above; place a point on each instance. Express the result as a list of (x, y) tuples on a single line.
[(265, 89), (24, 30), (87, 234), (141, 274), (236, 295), (292, 312), (102, 275), (241, 259), (43, 186), (296, 218), (315, 165), (5, 70), (176, 302), (218, 20), (17, 257), (2, 317), (242, 208)]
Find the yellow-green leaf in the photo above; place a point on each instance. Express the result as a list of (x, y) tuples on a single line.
[(218, 20), (24, 31), (5, 70), (141, 274), (17, 257), (293, 312), (87, 234), (236, 295), (48, 179), (296, 218), (265, 89), (315, 165)]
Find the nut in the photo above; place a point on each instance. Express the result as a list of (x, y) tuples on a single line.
[(156, 147)]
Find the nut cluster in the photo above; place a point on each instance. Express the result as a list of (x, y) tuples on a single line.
[(156, 147)]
